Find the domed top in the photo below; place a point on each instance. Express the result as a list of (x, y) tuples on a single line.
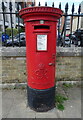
[(41, 10)]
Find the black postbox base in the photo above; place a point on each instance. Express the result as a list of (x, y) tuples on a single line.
[(41, 100)]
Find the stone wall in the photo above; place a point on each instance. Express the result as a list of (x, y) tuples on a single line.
[(14, 69), (13, 64), (68, 68), (21, 51)]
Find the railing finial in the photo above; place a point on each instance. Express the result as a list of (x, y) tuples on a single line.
[(79, 9), (18, 6), (39, 4), (66, 8), (53, 4), (73, 8), (10, 6), (32, 4), (60, 5), (3, 7), (45, 3)]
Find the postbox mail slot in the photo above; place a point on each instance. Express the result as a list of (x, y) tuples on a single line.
[(41, 27)]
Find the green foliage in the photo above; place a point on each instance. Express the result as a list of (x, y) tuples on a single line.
[(15, 31), (3, 32), (60, 107), (59, 101), (67, 85), (9, 31), (60, 98), (21, 30)]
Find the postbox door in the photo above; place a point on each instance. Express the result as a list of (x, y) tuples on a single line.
[(46, 55), (41, 55)]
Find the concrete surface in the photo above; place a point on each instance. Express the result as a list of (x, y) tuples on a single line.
[(14, 105), (0, 104)]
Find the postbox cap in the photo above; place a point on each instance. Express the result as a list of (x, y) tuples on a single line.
[(40, 12)]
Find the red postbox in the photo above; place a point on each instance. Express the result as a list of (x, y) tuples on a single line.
[(41, 29)]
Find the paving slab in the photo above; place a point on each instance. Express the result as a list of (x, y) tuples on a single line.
[(14, 105)]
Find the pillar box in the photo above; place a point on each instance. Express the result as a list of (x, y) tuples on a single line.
[(41, 33)]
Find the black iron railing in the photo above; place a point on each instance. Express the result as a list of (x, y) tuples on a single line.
[(62, 32)]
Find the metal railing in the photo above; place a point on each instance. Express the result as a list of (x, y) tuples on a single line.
[(61, 31)]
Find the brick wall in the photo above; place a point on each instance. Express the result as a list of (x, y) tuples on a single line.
[(14, 69)]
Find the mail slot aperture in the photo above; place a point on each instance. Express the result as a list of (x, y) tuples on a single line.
[(41, 27)]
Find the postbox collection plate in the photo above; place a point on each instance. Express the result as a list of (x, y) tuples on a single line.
[(42, 42)]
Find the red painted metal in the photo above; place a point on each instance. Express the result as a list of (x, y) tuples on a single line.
[(40, 63)]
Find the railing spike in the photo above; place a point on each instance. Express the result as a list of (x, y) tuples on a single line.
[(25, 5), (45, 3), (79, 9), (18, 6), (32, 4), (66, 7), (53, 4), (73, 8), (39, 4), (60, 5), (3, 8), (10, 6)]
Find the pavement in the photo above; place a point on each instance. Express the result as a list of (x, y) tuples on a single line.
[(14, 105)]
